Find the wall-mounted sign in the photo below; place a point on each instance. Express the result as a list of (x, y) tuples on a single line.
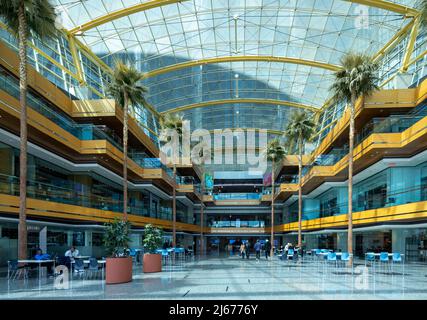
[(209, 182)]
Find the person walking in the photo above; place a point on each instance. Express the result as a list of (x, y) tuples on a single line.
[(242, 250), (257, 248), (247, 249), (267, 248)]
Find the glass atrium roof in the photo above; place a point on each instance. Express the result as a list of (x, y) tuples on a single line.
[(199, 51)]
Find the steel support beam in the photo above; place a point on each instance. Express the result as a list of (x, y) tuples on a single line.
[(389, 6), (76, 59), (194, 63), (410, 46), (238, 100), (394, 41), (120, 14)]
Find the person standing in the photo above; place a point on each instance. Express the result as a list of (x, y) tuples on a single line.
[(267, 248), (257, 248), (242, 250), (247, 249)]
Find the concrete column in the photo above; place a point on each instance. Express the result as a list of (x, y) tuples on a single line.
[(342, 241), (135, 240), (398, 240), (69, 238), (43, 239), (88, 243)]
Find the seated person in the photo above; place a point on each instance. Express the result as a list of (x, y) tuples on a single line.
[(72, 253), (44, 256)]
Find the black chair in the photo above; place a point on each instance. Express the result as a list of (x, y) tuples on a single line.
[(63, 261), (93, 266), (79, 266), (14, 268)]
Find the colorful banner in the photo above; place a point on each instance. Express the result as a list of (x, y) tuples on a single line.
[(266, 180)]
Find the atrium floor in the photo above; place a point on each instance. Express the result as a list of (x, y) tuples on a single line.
[(234, 278)]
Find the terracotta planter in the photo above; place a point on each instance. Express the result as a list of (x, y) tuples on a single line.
[(152, 262), (118, 270)]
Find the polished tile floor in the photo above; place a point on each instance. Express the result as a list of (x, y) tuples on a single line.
[(234, 278)]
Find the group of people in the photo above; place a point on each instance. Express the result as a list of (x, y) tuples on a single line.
[(72, 253), (245, 249)]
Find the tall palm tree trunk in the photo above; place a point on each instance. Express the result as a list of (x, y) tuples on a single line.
[(174, 207), (350, 178), (125, 157), (299, 192), (22, 227), (272, 209)]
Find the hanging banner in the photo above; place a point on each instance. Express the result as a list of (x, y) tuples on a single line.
[(266, 180)]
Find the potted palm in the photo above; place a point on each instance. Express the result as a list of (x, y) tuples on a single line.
[(152, 261), (118, 268)]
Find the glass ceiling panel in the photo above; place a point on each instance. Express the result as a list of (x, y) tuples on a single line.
[(318, 30)]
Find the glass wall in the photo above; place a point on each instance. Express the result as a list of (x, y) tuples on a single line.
[(46, 181), (390, 187)]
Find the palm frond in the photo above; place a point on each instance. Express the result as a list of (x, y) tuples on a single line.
[(274, 151), (359, 77), (126, 80), (172, 121), (300, 128), (40, 16), (421, 6)]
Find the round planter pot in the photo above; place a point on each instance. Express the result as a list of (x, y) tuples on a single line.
[(118, 270), (152, 262)]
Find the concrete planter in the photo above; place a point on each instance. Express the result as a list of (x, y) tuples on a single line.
[(152, 262), (118, 270)]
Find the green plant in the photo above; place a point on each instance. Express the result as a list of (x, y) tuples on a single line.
[(116, 238), (152, 238)]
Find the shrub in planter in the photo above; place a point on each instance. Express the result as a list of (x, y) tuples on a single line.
[(118, 264), (152, 241)]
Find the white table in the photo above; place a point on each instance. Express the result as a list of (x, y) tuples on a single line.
[(39, 262), (101, 262)]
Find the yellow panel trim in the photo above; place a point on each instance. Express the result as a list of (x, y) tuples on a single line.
[(200, 62), (241, 100), (120, 14), (389, 6)]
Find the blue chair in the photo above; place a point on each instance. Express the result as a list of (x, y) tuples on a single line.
[(79, 266), (93, 266), (332, 257), (345, 257), (165, 256), (290, 254), (370, 257), (397, 258), (384, 260)]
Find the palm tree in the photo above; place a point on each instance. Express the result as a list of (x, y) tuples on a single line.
[(421, 6), (275, 153), (300, 130), (24, 17), (357, 78), (174, 122), (127, 91)]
